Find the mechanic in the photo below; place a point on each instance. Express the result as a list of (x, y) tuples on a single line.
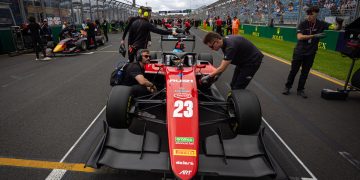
[(309, 32), (134, 74), (35, 36), (90, 30), (139, 32), (237, 51)]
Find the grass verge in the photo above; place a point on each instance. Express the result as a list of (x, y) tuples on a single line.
[(328, 62)]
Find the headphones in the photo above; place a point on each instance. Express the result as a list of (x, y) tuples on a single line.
[(138, 55)]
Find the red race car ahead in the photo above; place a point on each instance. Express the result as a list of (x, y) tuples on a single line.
[(186, 130)]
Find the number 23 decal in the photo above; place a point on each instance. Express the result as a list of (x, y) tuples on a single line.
[(179, 106)]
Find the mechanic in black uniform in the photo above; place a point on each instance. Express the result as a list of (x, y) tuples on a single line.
[(237, 51), (36, 39), (134, 74), (309, 33), (90, 30), (139, 32), (229, 25)]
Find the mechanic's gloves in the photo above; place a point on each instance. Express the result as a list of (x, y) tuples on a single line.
[(152, 89), (320, 35), (206, 79), (149, 43)]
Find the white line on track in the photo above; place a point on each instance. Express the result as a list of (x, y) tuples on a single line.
[(105, 47), (291, 151), (57, 174)]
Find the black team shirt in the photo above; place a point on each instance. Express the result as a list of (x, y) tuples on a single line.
[(240, 51), (131, 71), (310, 46)]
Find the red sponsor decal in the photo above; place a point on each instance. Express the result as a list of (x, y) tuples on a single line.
[(182, 95)]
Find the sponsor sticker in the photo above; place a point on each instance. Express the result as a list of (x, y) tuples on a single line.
[(182, 91), (185, 172), (182, 95), (184, 152), (184, 140), (181, 80), (187, 163)]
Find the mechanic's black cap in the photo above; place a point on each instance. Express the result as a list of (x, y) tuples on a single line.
[(122, 50), (312, 9)]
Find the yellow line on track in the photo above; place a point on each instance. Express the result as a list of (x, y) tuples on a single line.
[(45, 165)]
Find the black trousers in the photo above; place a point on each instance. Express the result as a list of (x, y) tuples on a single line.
[(228, 30), (243, 75), (89, 37), (38, 46), (106, 36), (303, 61)]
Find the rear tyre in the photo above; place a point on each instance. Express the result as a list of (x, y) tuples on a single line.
[(118, 106), (206, 57), (153, 55), (83, 46), (246, 108)]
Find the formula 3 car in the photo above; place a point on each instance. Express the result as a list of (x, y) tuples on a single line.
[(76, 43), (186, 130)]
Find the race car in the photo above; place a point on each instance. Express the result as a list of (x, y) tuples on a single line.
[(186, 129), (76, 43)]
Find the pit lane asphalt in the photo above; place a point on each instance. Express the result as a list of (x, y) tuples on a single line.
[(46, 106)]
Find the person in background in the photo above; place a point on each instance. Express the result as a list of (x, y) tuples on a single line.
[(36, 39), (228, 24), (309, 33), (187, 27), (46, 31), (237, 51), (219, 25), (139, 29), (90, 30), (105, 27), (235, 26)]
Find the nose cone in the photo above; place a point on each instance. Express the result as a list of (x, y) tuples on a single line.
[(59, 48)]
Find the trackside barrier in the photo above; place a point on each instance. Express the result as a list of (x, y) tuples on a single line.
[(331, 42)]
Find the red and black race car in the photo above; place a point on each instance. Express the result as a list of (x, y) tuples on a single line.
[(186, 130), (163, 132)]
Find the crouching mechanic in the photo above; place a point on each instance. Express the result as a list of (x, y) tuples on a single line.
[(237, 51), (134, 75)]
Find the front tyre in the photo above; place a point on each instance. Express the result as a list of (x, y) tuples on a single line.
[(247, 110), (118, 106)]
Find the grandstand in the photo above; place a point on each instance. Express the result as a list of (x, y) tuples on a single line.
[(283, 12)]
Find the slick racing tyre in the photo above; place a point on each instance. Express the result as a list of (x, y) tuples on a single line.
[(206, 57), (246, 108), (118, 106)]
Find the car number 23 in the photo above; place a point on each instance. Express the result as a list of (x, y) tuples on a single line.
[(185, 106)]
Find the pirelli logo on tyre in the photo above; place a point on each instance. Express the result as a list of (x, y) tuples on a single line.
[(184, 152)]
